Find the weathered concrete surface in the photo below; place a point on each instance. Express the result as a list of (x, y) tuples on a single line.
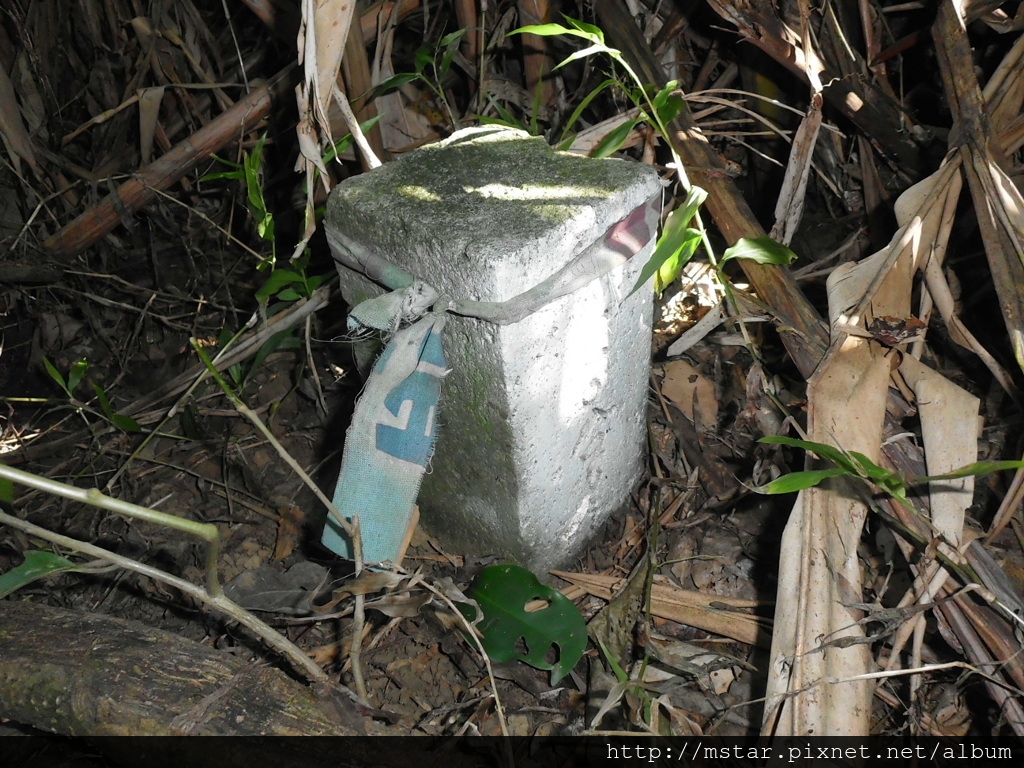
[(542, 421)]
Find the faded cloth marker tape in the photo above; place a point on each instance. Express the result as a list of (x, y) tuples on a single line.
[(389, 443), (392, 434)]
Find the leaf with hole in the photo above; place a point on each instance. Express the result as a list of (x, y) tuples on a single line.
[(524, 620)]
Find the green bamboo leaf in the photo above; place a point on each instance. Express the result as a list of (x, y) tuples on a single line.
[(119, 420), (257, 205), (37, 565), (673, 265), (799, 481), (451, 38), (232, 175), (566, 140), (825, 451), (390, 85), (265, 226), (124, 423), (56, 375), (553, 29), (225, 161), (668, 102), (253, 164), (77, 373), (505, 117), (535, 109), (279, 340), (595, 32), (450, 43), (694, 200), (968, 470), (591, 51), (613, 142), (101, 395), (886, 478), (677, 244), (346, 141), (620, 674), (851, 463), (277, 281), (762, 250), (424, 57)]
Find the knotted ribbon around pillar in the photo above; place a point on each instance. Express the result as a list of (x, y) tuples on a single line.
[(391, 438)]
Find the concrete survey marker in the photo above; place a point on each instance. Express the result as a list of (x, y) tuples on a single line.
[(541, 420)]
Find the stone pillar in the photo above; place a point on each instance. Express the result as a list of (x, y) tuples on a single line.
[(542, 421)]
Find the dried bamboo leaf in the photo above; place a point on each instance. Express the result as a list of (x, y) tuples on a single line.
[(690, 390), (878, 117), (790, 207), (1004, 91), (818, 574), (322, 36), (997, 202), (149, 115), (725, 616), (818, 563), (12, 129), (947, 181), (400, 125), (819, 647), (330, 22), (950, 425)]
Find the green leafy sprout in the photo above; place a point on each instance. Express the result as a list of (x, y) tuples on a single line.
[(250, 172), (73, 380), (659, 109), (438, 60), (289, 283), (679, 240), (285, 284), (856, 465)]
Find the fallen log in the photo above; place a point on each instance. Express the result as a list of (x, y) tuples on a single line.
[(86, 674)]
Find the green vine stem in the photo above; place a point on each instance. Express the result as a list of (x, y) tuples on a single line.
[(351, 528), (95, 498), (302, 663)]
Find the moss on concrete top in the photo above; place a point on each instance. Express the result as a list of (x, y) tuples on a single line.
[(480, 187)]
